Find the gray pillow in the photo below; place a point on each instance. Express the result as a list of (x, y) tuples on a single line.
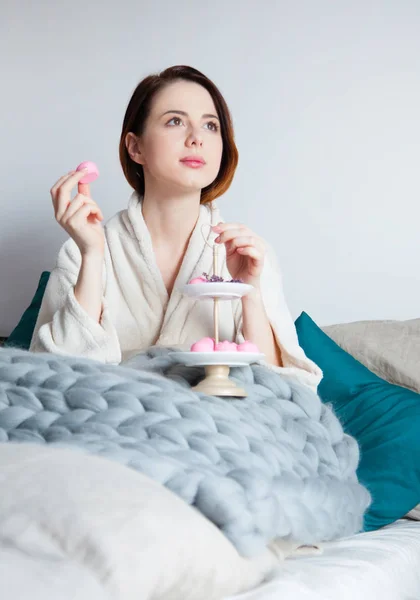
[(391, 349)]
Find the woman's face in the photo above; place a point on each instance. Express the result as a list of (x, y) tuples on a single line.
[(183, 123)]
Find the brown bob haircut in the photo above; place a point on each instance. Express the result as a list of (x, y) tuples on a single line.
[(138, 110)]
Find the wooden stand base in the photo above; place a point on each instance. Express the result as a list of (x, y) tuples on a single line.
[(217, 383)]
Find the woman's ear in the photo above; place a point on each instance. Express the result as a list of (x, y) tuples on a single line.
[(132, 143)]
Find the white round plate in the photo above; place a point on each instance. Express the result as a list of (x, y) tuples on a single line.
[(230, 359), (223, 290)]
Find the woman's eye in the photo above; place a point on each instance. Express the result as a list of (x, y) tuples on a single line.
[(175, 121), (212, 126)]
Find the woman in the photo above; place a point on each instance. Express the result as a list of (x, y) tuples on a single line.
[(115, 289)]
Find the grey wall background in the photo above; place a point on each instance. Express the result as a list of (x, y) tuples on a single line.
[(325, 97)]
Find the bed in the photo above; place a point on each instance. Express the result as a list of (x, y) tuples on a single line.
[(74, 527), (87, 540), (381, 563)]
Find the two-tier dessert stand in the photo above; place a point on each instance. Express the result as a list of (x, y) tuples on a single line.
[(217, 364)]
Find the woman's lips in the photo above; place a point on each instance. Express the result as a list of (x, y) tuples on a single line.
[(192, 162)]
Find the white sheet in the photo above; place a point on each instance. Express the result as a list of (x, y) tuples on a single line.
[(382, 564)]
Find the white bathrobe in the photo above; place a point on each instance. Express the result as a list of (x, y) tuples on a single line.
[(136, 309)]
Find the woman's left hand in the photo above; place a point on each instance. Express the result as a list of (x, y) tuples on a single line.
[(245, 251)]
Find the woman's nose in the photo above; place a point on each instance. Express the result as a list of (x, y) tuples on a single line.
[(194, 139)]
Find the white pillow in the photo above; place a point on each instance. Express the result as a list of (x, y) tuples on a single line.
[(138, 539)]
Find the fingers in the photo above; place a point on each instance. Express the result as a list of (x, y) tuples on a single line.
[(235, 234), (60, 181), (228, 231), (220, 227), (61, 191), (79, 218), (235, 238), (84, 189), (250, 251), (245, 249), (237, 242), (78, 202)]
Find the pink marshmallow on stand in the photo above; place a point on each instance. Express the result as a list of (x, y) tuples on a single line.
[(204, 345), (225, 347), (92, 174), (207, 344), (248, 347), (197, 280)]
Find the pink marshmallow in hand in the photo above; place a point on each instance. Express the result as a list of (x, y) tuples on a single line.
[(225, 347), (204, 345), (92, 173), (197, 280), (248, 347)]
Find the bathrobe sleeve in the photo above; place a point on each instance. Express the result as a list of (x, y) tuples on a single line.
[(295, 362), (63, 326)]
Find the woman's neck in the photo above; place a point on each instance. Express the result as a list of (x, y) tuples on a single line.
[(171, 218)]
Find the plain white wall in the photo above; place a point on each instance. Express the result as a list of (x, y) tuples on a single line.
[(325, 98)]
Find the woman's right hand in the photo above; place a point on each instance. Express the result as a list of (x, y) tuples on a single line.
[(80, 217)]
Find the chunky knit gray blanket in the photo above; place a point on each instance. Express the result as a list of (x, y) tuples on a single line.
[(274, 465)]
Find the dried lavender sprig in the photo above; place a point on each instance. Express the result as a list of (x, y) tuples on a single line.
[(218, 279)]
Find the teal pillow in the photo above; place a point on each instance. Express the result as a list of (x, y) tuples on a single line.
[(22, 334), (384, 418)]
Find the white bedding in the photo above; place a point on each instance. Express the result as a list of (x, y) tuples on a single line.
[(383, 564), (79, 527)]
